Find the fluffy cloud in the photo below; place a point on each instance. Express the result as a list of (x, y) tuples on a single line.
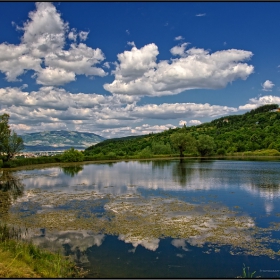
[(179, 110), (191, 122), (138, 73), (79, 59), (182, 122), (52, 108), (73, 35), (138, 130), (179, 50), (194, 122), (178, 38), (42, 43), (135, 63), (54, 76), (44, 33), (256, 102), (111, 116), (83, 35), (131, 44), (267, 85), (14, 60)]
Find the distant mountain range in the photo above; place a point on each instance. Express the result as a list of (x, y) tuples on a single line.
[(59, 140)]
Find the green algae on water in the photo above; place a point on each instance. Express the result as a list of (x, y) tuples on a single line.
[(133, 217)]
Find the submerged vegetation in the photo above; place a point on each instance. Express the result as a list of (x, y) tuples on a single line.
[(140, 220)]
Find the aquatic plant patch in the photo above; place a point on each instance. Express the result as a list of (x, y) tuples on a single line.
[(143, 221)]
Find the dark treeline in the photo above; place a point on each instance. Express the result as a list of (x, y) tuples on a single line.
[(256, 130), (254, 133)]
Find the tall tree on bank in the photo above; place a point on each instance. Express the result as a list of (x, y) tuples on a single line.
[(205, 145), (4, 128), (183, 141), (10, 142)]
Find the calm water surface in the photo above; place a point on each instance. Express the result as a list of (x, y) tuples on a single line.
[(161, 218)]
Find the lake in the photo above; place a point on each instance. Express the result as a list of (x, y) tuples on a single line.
[(152, 219)]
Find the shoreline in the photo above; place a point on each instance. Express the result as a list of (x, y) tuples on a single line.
[(63, 164)]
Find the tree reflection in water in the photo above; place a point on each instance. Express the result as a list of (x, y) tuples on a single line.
[(182, 172), (11, 188), (161, 164), (72, 170)]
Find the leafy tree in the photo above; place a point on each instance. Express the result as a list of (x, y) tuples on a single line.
[(264, 108), (221, 152), (4, 127), (145, 153), (10, 142), (205, 145), (111, 155), (257, 129), (183, 141), (72, 155), (159, 148)]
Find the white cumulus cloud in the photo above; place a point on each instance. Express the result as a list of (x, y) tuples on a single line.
[(194, 122), (54, 76), (267, 85), (73, 35), (83, 35), (138, 130), (179, 50), (257, 102), (179, 110), (178, 38), (138, 73), (43, 42)]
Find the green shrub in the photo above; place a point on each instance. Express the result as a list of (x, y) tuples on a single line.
[(89, 158), (30, 161), (121, 153), (72, 155), (111, 155), (145, 153), (265, 152), (221, 152), (161, 149)]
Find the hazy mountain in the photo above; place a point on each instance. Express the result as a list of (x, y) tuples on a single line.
[(59, 140)]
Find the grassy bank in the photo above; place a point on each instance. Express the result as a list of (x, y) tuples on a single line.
[(56, 160), (20, 259)]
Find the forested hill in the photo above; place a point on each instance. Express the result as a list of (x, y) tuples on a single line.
[(254, 130)]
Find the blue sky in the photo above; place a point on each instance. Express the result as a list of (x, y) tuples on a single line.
[(125, 68)]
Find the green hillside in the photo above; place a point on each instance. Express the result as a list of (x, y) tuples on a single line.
[(255, 130), (59, 140)]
